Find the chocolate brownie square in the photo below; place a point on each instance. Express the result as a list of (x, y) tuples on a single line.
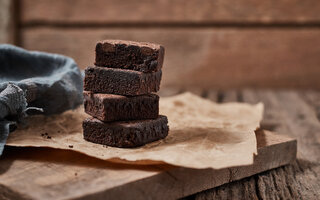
[(111, 107), (126, 134), (138, 56), (121, 81)]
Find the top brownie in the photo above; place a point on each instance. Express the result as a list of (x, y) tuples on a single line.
[(138, 56)]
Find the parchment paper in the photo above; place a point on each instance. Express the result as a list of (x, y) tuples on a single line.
[(202, 134)]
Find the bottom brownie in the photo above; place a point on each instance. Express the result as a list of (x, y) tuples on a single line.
[(125, 133)]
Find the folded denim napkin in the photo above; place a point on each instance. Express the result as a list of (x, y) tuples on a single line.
[(32, 81)]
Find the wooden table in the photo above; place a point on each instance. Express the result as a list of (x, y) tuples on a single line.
[(291, 113), (294, 113)]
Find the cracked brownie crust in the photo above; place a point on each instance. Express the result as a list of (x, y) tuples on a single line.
[(138, 56)]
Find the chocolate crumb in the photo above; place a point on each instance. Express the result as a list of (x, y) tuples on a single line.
[(70, 146), (76, 174), (48, 137)]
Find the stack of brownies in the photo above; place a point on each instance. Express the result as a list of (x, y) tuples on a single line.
[(119, 94)]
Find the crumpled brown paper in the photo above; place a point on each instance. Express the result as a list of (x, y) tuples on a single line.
[(202, 134)]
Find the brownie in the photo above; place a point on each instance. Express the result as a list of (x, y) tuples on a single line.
[(121, 81), (111, 107), (125, 134), (138, 56)]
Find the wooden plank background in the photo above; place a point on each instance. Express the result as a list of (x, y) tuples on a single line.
[(170, 11), (219, 44), (6, 21)]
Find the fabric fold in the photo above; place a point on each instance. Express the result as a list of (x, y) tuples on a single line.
[(35, 82)]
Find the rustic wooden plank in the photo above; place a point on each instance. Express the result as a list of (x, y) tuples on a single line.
[(206, 58), (7, 21), (297, 181), (275, 184), (267, 185), (303, 124), (262, 186), (294, 116), (272, 119), (40, 173), (243, 189), (170, 11), (313, 99), (291, 114)]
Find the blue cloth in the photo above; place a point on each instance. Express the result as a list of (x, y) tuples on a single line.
[(33, 81)]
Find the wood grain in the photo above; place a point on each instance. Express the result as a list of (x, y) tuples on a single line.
[(169, 11), (313, 99), (40, 173), (299, 119), (206, 58), (296, 117)]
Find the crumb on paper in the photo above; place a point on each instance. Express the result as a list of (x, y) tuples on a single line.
[(45, 135)]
